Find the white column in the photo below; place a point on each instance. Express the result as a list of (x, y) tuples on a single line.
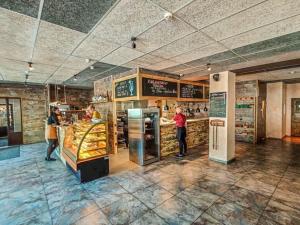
[(222, 138)]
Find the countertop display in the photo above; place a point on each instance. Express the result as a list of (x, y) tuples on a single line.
[(84, 145), (197, 134)]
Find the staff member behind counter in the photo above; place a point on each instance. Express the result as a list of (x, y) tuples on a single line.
[(92, 114), (52, 123), (180, 120)]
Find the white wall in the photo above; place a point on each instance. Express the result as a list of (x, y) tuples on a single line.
[(292, 91), (275, 117)]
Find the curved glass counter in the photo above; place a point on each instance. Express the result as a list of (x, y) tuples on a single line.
[(85, 141)]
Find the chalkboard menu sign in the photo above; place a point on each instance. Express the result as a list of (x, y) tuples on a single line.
[(191, 91), (125, 88), (217, 104), (159, 88)]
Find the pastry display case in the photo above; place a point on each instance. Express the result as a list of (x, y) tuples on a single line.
[(85, 149)]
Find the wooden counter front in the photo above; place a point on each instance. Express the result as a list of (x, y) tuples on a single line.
[(197, 134)]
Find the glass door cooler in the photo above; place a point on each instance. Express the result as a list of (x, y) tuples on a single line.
[(144, 135)]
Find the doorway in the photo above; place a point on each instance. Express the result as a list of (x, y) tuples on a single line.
[(295, 123), (10, 122)]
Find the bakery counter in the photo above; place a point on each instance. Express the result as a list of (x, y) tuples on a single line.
[(197, 134)]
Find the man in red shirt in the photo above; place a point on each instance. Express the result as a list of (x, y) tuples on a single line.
[(180, 120)]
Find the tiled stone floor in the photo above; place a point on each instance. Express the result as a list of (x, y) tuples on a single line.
[(261, 187)]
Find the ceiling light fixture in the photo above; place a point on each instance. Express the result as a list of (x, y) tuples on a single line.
[(87, 60), (208, 66), (92, 67), (30, 66), (133, 44), (181, 75), (75, 77), (168, 16), (292, 72)]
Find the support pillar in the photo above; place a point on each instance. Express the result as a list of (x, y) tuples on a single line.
[(222, 117)]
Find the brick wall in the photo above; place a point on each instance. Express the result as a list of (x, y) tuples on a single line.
[(33, 102), (80, 98)]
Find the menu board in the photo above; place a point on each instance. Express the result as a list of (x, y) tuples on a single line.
[(191, 91), (159, 88), (125, 88), (217, 104)]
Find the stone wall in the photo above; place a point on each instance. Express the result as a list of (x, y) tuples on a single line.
[(33, 100), (197, 134), (79, 98)]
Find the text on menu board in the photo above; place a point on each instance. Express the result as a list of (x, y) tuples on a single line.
[(217, 102), (161, 88), (191, 91), (125, 88)]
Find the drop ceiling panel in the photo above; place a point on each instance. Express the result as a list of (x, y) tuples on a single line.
[(272, 52), (98, 69), (94, 48), (121, 55), (145, 60), (163, 64), (229, 62), (77, 63), (12, 75), (80, 15), (185, 44), (177, 68), (48, 56), (13, 65), (173, 5), (128, 18), (64, 73), (202, 13), (14, 51), (268, 12), (200, 53), (193, 70), (58, 38), (17, 28), (30, 8), (212, 59), (278, 42), (112, 72), (163, 33), (280, 28)]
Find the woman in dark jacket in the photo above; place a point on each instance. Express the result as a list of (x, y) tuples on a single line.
[(53, 122)]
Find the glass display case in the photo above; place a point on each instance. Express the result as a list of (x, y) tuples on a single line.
[(85, 149)]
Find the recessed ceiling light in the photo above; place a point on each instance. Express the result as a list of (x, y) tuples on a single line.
[(292, 72), (87, 60), (92, 67)]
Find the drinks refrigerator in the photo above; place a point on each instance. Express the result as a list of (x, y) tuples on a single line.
[(144, 135)]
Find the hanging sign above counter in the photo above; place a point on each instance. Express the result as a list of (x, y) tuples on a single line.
[(159, 88), (190, 91), (145, 86), (126, 88)]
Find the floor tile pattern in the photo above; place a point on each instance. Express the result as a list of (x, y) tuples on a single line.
[(262, 187)]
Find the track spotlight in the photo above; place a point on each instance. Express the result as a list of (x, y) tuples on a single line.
[(208, 66), (133, 44), (75, 77), (30, 66), (92, 67)]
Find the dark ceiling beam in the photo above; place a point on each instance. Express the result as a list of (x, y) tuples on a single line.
[(268, 67)]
